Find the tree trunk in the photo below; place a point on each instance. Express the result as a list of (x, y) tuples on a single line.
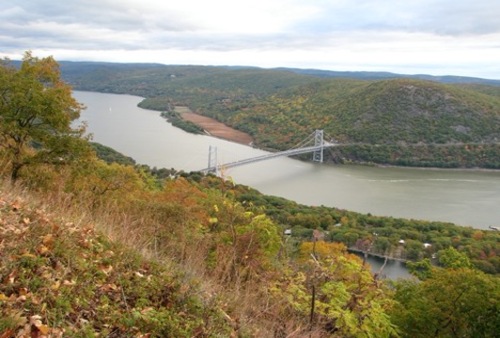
[(16, 167)]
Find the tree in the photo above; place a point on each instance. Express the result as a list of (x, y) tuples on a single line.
[(36, 111), (245, 242), (451, 258), (333, 295), (450, 303), (421, 269)]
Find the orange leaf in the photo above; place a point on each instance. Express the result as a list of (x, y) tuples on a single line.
[(7, 333), (42, 249), (48, 240), (44, 329)]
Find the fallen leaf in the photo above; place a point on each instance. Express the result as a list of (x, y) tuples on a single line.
[(55, 286), (12, 277), (42, 249), (108, 287), (15, 206), (69, 283), (48, 240), (106, 268), (36, 320), (7, 333), (44, 329)]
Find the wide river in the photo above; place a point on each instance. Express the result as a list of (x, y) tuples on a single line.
[(464, 197)]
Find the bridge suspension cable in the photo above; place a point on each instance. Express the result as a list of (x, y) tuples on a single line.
[(316, 138)]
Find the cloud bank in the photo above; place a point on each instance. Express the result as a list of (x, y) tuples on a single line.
[(460, 37)]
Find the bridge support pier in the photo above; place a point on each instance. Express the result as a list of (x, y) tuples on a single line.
[(318, 142)]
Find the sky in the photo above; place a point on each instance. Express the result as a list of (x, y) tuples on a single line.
[(436, 37)]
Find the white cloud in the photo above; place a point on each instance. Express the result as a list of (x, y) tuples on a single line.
[(426, 36)]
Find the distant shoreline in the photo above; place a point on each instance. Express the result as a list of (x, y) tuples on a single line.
[(220, 130), (434, 168)]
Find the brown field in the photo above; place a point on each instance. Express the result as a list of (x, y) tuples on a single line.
[(214, 127)]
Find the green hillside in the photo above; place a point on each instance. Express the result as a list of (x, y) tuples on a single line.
[(178, 82), (386, 112), (398, 121), (93, 248), (384, 120)]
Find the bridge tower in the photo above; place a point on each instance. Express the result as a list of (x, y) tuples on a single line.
[(212, 160), (318, 142)]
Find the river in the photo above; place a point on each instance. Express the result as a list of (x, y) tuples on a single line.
[(464, 197)]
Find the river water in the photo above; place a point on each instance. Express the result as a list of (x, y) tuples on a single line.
[(464, 197)]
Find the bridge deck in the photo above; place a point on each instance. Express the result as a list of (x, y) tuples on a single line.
[(289, 152)]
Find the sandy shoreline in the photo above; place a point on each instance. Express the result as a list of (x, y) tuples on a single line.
[(214, 127)]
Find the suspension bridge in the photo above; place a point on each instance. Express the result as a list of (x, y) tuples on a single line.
[(315, 143)]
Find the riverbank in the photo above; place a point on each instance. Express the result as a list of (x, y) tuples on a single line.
[(372, 254), (461, 197), (214, 127)]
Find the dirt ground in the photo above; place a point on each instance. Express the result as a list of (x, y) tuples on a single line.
[(214, 127)]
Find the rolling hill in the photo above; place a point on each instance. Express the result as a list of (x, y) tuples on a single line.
[(397, 121), (381, 118)]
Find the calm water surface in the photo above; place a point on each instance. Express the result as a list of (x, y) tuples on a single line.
[(464, 197)]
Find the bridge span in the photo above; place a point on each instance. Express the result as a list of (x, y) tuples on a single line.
[(316, 149)]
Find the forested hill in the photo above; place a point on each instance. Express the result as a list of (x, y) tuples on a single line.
[(384, 112), (385, 120), (397, 121), (178, 81), (93, 248)]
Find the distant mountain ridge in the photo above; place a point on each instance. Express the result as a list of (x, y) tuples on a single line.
[(70, 67), (367, 75), (75, 68)]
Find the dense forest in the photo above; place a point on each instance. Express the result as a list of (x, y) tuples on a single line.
[(105, 247), (380, 118)]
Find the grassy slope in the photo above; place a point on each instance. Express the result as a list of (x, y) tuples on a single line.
[(61, 277)]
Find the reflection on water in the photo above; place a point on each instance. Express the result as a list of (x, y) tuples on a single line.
[(393, 269)]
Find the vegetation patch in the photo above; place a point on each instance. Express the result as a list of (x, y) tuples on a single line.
[(90, 248), (379, 118), (63, 279)]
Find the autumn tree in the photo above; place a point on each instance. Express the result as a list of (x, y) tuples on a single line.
[(245, 242), (449, 303), (334, 295), (36, 111), (452, 258)]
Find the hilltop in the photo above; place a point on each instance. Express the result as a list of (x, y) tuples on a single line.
[(381, 118), (398, 121)]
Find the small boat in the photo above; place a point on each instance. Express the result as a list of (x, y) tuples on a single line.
[(494, 228)]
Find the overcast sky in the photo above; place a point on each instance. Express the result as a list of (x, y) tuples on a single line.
[(438, 37)]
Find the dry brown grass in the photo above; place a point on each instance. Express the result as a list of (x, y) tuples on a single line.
[(60, 273), (240, 303)]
